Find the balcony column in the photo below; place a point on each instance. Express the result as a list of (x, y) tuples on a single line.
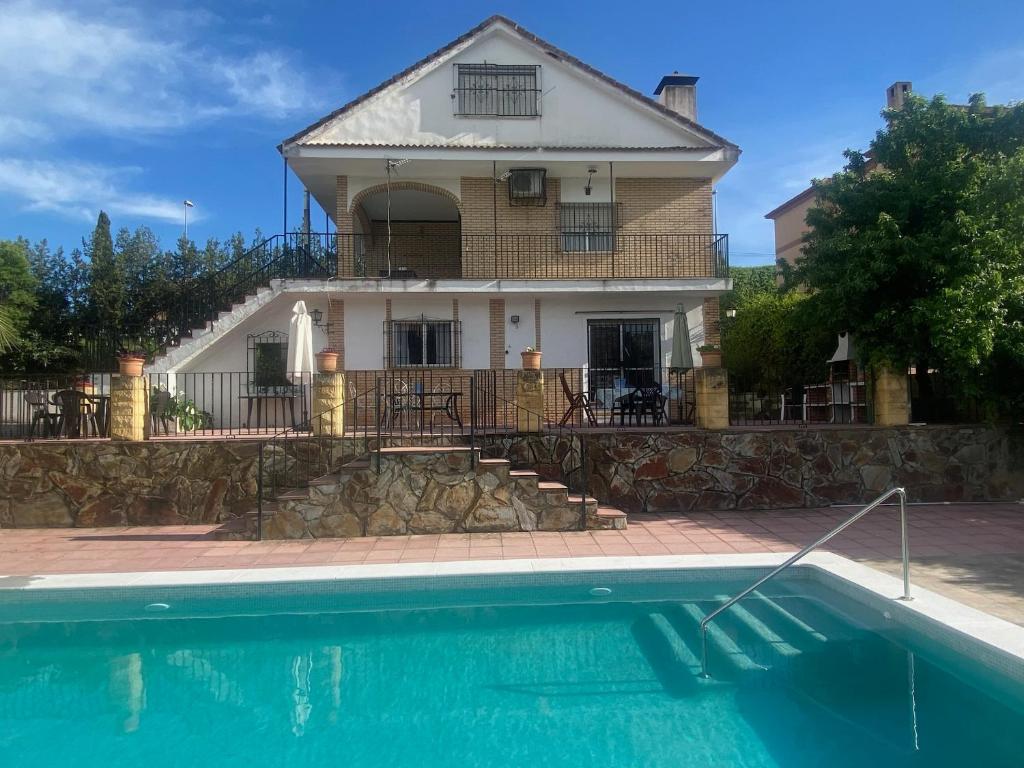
[(345, 236), (129, 407), (889, 398), (328, 417), (711, 393), (529, 400)]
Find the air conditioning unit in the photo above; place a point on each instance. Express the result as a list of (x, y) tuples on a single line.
[(527, 186)]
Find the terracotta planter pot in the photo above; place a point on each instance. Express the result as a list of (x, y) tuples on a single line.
[(711, 359), (84, 385), (531, 361), (327, 362), (130, 365)]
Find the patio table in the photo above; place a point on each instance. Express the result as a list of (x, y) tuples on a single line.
[(446, 403)]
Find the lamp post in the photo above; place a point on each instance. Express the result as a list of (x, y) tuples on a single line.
[(186, 204)]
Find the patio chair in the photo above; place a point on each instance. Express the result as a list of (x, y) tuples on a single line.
[(440, 404), (77, 413), (41, 412), (649, 401), (158, 408), (578, 401)]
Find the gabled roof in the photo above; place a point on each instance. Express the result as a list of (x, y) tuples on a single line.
[(551, 50)]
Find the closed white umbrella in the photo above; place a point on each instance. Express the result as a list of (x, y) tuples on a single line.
[(682, 354), (300, 342)]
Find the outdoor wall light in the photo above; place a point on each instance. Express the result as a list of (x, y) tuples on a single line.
[(515, 320), (317, 315)]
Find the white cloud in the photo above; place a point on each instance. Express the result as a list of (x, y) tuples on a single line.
[(96, 69), (119, 75), (81, 190)]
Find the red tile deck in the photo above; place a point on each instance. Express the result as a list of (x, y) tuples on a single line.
[(964, 529), (961, 546)]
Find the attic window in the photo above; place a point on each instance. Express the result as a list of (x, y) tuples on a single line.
[(527, 186), (497, 90)]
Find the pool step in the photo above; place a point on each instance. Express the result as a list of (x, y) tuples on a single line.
[(751, 637), (686, 618)]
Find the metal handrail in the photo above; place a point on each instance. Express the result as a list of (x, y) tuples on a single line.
[(901, 492)]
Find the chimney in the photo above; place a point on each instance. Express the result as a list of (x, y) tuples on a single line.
[(897, 93), (679, 93)]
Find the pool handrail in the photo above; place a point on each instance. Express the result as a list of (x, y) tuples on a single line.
[(904, 551)]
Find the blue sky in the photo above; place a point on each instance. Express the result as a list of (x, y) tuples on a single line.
[(132, 107)]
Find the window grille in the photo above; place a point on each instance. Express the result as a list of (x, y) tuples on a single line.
[(422, 343), (527, 186), (588, 226), (497, 90)]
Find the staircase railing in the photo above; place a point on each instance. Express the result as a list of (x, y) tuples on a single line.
[(320, 454), (904, 550), (293, 256)]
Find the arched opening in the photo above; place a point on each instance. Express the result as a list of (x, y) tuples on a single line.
[(413, 232)]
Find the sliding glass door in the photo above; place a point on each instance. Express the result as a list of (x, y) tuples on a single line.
[(624, 354)]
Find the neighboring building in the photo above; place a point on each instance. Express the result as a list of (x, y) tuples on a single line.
[(495, 195), (791, 217)]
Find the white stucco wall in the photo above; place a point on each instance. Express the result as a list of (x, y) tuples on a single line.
[(576, 109)]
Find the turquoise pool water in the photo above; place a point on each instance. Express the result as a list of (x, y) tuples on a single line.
[(499, 676)]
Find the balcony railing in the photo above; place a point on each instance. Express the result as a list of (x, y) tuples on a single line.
[(575, 256)]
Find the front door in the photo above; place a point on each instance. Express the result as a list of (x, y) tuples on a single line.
[(624, 354)]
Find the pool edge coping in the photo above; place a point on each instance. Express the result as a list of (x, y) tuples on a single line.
[(991, 631)]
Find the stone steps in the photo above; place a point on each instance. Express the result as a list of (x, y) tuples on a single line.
[(515, 499)]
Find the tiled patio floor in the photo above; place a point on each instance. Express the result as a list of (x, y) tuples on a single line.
[(972, 552)]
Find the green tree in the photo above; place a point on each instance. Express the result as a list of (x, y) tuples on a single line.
[(748, 282), (919, 250), (777, 341), (106, 278), (17, 292)]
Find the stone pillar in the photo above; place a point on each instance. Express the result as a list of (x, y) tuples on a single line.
[(530, 400), (129, 407), (712, 398), (889, 398), (328, 417)]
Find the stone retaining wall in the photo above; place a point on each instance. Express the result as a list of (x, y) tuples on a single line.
[(173, 482), (782, 468), (84, 483)]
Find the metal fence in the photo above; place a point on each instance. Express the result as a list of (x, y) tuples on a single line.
[(840, 400), (426, 402), (54, 407)]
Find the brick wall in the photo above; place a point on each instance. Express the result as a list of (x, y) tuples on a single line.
[(674, 210), (497, 335), (343, 221), (671, 209), (428, 248), (336, 336), (712, 321)]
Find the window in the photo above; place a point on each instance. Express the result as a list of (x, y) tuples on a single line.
[(267, 361), (497, 90), (588, 226), (422, 343), (527, 186)]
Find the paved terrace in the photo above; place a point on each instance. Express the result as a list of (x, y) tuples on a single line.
[(970, 552)]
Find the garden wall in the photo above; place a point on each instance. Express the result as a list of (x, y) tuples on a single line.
[(172, 482), (773, 468)]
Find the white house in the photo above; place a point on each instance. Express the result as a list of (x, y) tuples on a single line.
[(495, 195)]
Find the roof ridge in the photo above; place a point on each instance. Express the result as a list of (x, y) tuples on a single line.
[(558, 53)]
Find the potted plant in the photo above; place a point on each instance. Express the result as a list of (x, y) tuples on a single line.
[(83, 383), (130, 358), (531, 359), (710, 355), (327, 360)]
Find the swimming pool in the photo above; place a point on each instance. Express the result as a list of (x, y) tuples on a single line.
[(535, 667)]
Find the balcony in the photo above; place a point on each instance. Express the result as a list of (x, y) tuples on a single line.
[(576, 256)]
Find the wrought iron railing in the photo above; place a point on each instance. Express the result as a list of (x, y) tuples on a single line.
[(840, 400), (548, 256), (54, 407)]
